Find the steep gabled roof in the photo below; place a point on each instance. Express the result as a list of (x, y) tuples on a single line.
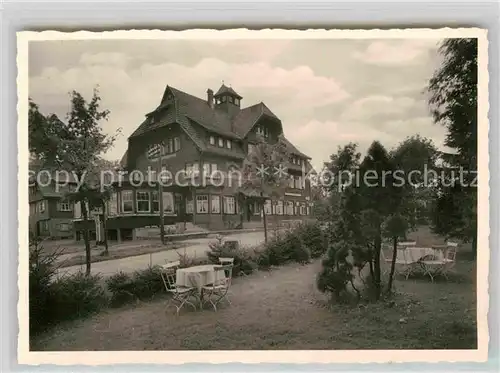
[(225, 89), (248, 117), (293, 149), (192, 112)]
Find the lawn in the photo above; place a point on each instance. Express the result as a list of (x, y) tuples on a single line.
[(282, 309)]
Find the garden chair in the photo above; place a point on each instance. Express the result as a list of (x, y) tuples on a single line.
[(403, 265), (217, 292), (180, 294), (441, 265), (174, 264), (225, 261)]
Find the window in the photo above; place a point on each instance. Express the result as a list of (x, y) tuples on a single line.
[(263, 131), (212, 140), (289, 208), (189, 206), (230, 99), (127, 201), (155, 201), (279, 208), (237, 101), (202, 204), (168, 203), (302, 209), (256, 208), (143, 202), (113, 204), (298, 182), (177, 144), (32, 209), (154, 151), (251, 148), (192, 169), (229, 145), (291, 183), (229, 205), (215, 204), (41, 206), (221, 142), (64, 227), (308, 210), (268, 208), (224, 98), (64, 205), (206, 169)]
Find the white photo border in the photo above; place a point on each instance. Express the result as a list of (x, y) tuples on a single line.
[(9, 188)]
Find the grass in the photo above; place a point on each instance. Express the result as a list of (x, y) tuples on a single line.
[(282, 309), (119, 253)]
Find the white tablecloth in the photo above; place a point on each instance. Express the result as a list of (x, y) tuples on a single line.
[(414, 254), (198, 276)]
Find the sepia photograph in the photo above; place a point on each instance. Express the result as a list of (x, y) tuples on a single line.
[(275, 190)]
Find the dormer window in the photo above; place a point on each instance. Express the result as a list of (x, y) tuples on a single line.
[(212, 140), (263, 131), (221, 142), (229, 144)]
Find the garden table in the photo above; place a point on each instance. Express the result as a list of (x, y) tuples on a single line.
[(416, 254), (198, 276)]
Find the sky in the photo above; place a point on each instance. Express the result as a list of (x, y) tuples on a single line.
[(327, 92)]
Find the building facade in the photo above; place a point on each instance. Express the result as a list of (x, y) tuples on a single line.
[(50, 212), (199, 144)]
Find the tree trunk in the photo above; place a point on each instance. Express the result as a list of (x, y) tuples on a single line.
[(86, 237), (393, 263), (376, 262), (474, 246), (264, 219), (104, 224)]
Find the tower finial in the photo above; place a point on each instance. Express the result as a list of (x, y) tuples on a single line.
[(222, 81)]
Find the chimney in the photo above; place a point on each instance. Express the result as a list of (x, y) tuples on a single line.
[(210, 98)]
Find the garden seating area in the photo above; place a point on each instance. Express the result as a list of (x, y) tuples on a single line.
[(433, 261), (206, 283)]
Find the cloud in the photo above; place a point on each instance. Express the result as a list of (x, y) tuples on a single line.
[(327, 93), (395, 53), (373, 107), (129, 93)]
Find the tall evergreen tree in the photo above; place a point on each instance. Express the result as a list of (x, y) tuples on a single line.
[(453, 102)]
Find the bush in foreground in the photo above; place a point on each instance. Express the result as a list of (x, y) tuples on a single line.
[(53, 300), (142, 285)]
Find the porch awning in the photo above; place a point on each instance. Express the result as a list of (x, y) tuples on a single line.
[(253, 193)]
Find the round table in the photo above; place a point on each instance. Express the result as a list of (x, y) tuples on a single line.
[(198, 276)]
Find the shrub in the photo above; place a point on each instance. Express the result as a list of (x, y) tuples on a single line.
[(313, 238), (285, 247), (336, 272), (147, 283), (142, 285), (244, 259), (77, 296), (41, 274), (54, 300), (120, 286)]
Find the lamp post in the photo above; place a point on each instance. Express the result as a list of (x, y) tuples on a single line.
[(160, 180)]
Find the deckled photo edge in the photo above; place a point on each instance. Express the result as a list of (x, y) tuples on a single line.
[(98, 358)]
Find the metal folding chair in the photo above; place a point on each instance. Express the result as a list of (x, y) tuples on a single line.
[(218, 291), (180, 294), (441, 265)]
